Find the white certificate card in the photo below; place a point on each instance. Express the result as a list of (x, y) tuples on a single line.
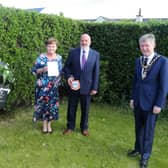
[(53, 68)]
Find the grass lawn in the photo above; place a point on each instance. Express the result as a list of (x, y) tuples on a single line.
[(22, 145)]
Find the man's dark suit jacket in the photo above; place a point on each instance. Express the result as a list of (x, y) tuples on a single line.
[(89, 75), (153, 89)]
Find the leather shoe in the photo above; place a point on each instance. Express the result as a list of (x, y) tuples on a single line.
[(67, 132), (85, 133), (143, 163), (133, 153)]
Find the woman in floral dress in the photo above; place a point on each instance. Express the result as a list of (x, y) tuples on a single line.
[(47, 69)]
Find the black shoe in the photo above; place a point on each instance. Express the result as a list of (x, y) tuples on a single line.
[(143, 163), (133, 153)]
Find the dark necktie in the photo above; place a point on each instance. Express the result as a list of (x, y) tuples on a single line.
[(144, 69), (83, 58), (145, 61)]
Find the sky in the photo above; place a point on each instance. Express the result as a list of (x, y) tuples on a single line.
[(92, 9)]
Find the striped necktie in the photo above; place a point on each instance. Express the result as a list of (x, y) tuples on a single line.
[(83, 58)]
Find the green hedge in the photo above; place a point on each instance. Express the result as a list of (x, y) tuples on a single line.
[(22, 37), (118, 45)]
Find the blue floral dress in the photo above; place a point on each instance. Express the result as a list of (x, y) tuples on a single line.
[(46, 90)]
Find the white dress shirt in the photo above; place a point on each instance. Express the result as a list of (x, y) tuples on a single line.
[(150, 57)]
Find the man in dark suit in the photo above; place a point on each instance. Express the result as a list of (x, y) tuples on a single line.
[(149, 93), (82, 73)]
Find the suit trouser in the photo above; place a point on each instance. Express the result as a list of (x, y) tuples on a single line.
[(74, 98), (145, 122)]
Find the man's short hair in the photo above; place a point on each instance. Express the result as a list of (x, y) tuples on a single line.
[(147, 37)]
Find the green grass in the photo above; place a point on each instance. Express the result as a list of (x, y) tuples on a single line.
[(22, 145)]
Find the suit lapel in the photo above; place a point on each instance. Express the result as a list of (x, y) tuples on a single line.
[(139, 68), (152, 66), (78, 58)]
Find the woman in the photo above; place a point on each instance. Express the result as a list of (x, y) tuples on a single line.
[(47, 69)]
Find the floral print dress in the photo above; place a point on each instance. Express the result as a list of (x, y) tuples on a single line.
[(46, 90)]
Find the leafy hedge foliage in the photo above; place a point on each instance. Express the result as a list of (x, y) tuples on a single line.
[(22, 37), (118, 45)]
